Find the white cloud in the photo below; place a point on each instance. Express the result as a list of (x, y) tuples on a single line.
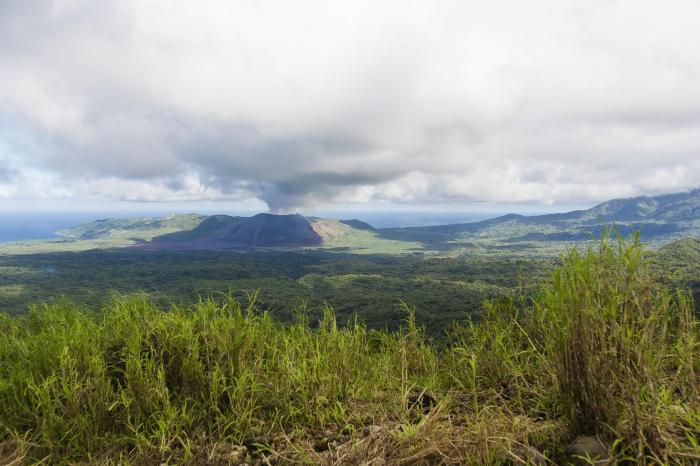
[(309, 102)]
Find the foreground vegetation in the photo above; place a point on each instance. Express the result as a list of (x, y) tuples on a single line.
[(604, 349)]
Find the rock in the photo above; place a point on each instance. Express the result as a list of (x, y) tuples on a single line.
[(588, 450), (373, 431), (421, 401), (229, 454), (321, 445), (678, 410), (527, 455)]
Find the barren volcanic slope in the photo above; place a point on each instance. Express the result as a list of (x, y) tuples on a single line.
[(258, 231)]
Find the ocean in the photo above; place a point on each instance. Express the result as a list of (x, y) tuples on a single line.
[(16, 226)]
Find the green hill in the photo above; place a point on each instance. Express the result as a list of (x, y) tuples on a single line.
[(658, 219), (684, 251), (679, 264), (141, 228)]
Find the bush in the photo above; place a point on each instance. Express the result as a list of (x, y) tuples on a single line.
[(624, 348)]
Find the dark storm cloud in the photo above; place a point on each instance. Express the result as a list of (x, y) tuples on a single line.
[(418, 102), (285, 172), (310, 189)]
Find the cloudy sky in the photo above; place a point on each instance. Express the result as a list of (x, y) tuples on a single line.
[(316, 104)]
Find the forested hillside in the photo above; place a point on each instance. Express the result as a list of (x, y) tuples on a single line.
[(658, 219)]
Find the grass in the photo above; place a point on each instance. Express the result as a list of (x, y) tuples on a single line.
[(61, 245), (603, 350), (339, 236)]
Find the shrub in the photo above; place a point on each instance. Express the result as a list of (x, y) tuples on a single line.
[(625, 349)]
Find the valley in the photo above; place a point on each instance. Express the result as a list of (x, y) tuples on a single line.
[(443, 272), (371, 287)]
